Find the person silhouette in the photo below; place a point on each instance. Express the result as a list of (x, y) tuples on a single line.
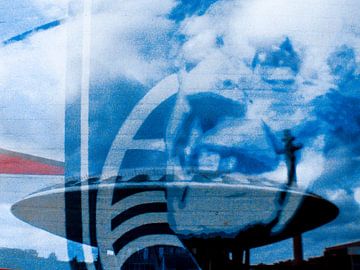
[(289, 151)]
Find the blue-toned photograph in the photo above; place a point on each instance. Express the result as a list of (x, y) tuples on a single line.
[(180, 134)]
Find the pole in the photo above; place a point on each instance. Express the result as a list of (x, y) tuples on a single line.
[(298, 249)]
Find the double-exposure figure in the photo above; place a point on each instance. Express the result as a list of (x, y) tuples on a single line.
[(217, 123)]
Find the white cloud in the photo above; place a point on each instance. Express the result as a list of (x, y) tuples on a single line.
[(337, 195), (316, 25), (357, 195), (279, 175), (310, 167), (32, 81), (132, 40), (315, 28), (52, 9)]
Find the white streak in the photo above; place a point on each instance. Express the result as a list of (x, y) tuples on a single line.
[(84, 121), (85, 87)]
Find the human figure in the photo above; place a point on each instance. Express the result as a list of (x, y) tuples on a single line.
[(290, 157)]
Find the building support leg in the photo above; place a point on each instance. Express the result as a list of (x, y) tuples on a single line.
[(298, 249)]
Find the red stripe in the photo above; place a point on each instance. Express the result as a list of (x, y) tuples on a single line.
[(18, 165)]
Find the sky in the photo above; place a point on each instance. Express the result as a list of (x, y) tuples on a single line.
[(292, 65)]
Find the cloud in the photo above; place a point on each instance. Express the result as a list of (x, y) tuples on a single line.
[(307, 172), (337, 195), (32, 81), (357, 195), (218, 49), (132, 40), (52, 9), (314, 29), (132, 37)]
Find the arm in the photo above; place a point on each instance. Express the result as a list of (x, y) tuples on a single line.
[(298, 146)]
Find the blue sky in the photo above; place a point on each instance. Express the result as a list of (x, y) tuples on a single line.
[(311, 49)]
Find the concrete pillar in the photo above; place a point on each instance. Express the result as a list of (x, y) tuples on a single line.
[(298, 249)]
